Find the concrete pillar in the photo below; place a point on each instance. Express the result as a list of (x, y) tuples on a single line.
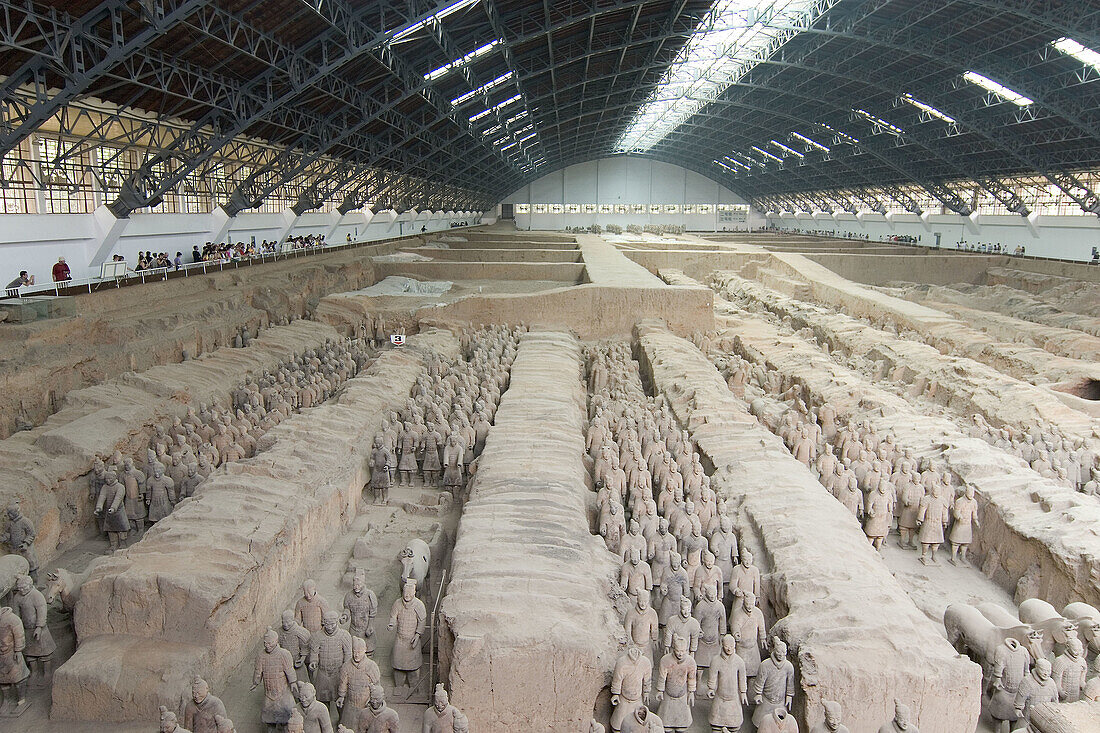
[(289, 220), (973, 223), (220, 221), (107, 229), (1032, 224), (334, 219)]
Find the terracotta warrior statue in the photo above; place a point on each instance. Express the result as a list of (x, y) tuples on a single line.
[(774, 686), (382, 465), (1011, 661), (275, 670), (360, 608), (931, 521), (329, 651), (377, 716), (832, 722), (727, 688), (631, 682), (315, 715), (440, 715), (19, 535), (295, 639), (310, 609), (1036, 688), (642, 720), (900, 723), (30, 604), (14, 672), (169, 723), (964, 513), (200, 709), (1070, 670), (711, 615), (408, 619), (357, 677), (745, 577), (676, 683), (746, 623)]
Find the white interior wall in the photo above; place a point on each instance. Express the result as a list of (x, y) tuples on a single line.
[(1060, 237), (627, 180), (33, 242)]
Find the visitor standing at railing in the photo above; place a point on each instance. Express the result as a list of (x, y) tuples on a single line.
[(61, 271)]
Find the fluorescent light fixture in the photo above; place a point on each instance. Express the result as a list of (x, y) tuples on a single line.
[(737, 163), (842, 136), (783, 147), (999, 89), (459, 63), (879, 122), (927, 108), (748, 159), (766, 154), (509, 145), (497, 108), (732, 38), (811, 143), (528, 137), (731, 170), (491, 130), (440, 15), (481, 115), (520, 116), (482, 89), (1084, 54)]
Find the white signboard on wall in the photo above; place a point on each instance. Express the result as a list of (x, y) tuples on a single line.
[(733, 214)]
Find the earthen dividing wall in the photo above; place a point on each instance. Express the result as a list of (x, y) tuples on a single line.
[(855, 635), (964, 384), (530, 634), (195, 594), (47, 468)]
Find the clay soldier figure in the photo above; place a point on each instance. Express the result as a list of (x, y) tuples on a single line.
[(19, 536), (13, 669), (774, 687), (1070, 670), (779, 721), (29, 603), (160, 494), (315, 715), (295, 639), (745, 577), (134, 481), (169, 723), (190, 482), (878, 512), (659, 552), (675, 586), (357, 677), (900, 722), (747, 626), (932, 520), (965, 515), (634, 575), (360, 608), (642, 721), (727, 687), (329, 651), (275, 669), (832, 722), (630, 685), (676, 682), (910, 496), (1036, 688), (199, 711), (453, 454), (377, 717), (711, 615), (407, 443), (110, 508), (311, 608), (642, 626), (408, 618), (724, 547), (440, 715), (382, 464), (685, 625)]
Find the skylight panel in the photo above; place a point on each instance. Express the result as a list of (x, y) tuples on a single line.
[(440, 15), (879, 122), (734, 36), (459, 63), (496, 108), (927, 108), (783, 147), (811, 143), (999, 89), (1084, 54), (482, 89)]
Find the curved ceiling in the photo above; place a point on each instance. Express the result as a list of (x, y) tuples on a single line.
[(853, 97)]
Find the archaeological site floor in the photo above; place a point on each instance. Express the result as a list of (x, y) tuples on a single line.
[(784, 378)]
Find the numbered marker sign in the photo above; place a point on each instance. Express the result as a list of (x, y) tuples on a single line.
[(397, 339)]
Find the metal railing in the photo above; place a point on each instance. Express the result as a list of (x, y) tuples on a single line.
[(141, 277)]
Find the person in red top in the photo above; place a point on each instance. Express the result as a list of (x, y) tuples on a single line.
[(61, 271)]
